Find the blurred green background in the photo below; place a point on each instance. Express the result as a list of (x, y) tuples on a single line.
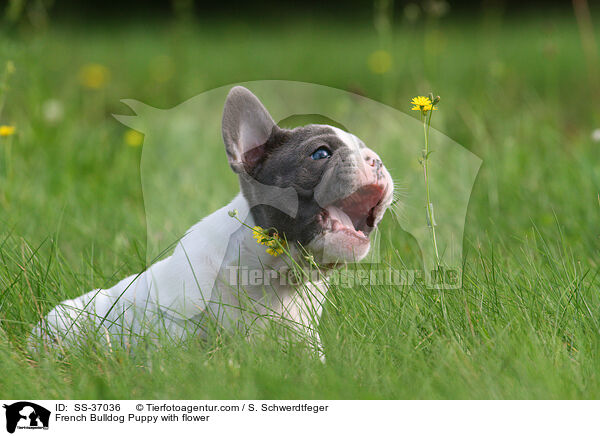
[(520, 89)]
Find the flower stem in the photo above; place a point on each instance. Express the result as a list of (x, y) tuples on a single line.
[(429, 206)]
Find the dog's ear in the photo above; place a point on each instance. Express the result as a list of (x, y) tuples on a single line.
[(246, 128)]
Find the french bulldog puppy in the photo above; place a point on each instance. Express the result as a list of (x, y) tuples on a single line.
[(318, 187)]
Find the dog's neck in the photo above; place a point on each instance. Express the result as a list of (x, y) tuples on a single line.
[(244, 250)]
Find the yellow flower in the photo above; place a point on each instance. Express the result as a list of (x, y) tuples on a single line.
[(10, 67), (275, 251), (422, 104), (7, 130), (380, 61), (421, 101), (133, 138), (261, 235), (94, 76), (275, 246), (274, 243), (258, 233)]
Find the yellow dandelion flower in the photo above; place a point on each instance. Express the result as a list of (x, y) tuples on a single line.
[(380, 62), (422, 104), (258, 233), (276, 245), (7, 130), (261, 235), (420, 101), (94, 76), (275, 251), (133, 138), (273, 243), (10, 67)]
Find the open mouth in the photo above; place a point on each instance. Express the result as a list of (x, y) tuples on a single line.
[(354, 215)]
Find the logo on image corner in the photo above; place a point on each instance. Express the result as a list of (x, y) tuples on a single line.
[(24, 415)]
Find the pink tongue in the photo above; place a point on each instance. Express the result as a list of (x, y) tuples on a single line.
[(339, 215)]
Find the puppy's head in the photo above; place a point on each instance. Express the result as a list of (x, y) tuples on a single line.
[(341, 187)]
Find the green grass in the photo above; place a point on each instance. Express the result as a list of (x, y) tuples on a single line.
[(515, 92)]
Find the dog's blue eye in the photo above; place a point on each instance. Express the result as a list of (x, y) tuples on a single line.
[(321, 153)]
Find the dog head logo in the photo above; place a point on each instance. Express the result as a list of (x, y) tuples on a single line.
[(26, 415)]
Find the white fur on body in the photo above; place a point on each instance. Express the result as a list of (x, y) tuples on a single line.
[(176, 294)]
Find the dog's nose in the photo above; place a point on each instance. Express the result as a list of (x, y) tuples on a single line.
[(372, 159)]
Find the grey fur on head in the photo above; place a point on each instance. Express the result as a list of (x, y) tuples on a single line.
[(266, 156)]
